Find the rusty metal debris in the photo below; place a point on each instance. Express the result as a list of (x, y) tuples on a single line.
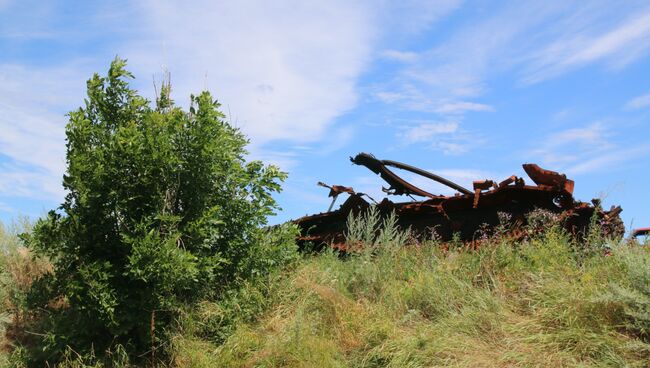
[(644, 231), (467, 214)]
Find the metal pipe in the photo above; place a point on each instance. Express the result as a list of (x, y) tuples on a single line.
[(426, 174)]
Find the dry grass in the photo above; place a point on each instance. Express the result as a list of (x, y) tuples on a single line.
[(18, 269), (538, 303), (535, 304)]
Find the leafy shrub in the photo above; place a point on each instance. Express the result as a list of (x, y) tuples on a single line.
[(215, 320), (161, 210)]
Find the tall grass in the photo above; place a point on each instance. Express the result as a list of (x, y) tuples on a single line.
[(533, 303), (18, 269), (395, 302)]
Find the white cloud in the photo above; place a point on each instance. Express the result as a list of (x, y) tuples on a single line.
[(536, 40), (412, 98), (464, 176), (446, 137), (5, 207), (570, 145), (390, 97), (583, 150), (451, 148), (281, 68), (401, 56), (605, 161), (427, 131), (593, 135), (634, 30), (30, 182), (458, 67), (638, 102), (33, 102), (285, 70), (411, 16), (619, 45), (462, 106), (285, 160)]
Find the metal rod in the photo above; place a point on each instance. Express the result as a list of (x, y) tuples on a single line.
[(427, 174), (332, 204)]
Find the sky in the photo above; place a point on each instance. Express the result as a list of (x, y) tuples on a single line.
[(466, 89)]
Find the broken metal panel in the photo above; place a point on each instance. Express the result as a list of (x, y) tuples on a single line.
[(641, 232), (550, 178), (335, 190), (465, 213)]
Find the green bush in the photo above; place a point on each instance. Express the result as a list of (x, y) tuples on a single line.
[(161, 210), (215, 319)]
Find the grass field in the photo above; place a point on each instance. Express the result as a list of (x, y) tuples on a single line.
[(543, 302)]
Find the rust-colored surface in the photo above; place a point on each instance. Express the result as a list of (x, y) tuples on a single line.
[(335, 190), (467, 213), (547, 178), (641, 232)]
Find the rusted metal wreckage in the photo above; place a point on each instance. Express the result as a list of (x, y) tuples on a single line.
[(644, 231), (468, 213)]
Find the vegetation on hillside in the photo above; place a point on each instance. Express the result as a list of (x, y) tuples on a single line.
[(544, 302), (395, 302)]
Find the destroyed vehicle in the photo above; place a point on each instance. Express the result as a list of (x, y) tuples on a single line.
[(468, 214)]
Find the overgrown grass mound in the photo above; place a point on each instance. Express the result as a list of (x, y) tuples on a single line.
[(395, 302), (544, 302)]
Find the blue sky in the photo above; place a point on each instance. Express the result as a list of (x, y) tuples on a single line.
[(469, 90)]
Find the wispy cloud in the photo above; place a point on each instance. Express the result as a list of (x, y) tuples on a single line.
[(280, 73), (565, 147), (33, 101), (462, 106), (456, 69), (583, 150), (402, 56), (3, 206), (412, 98), (537, 41), (619, 45), (283, 71), (428, 131), (408, 17), (608, 160), (638, 102), (446, 137), (30, 183)]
